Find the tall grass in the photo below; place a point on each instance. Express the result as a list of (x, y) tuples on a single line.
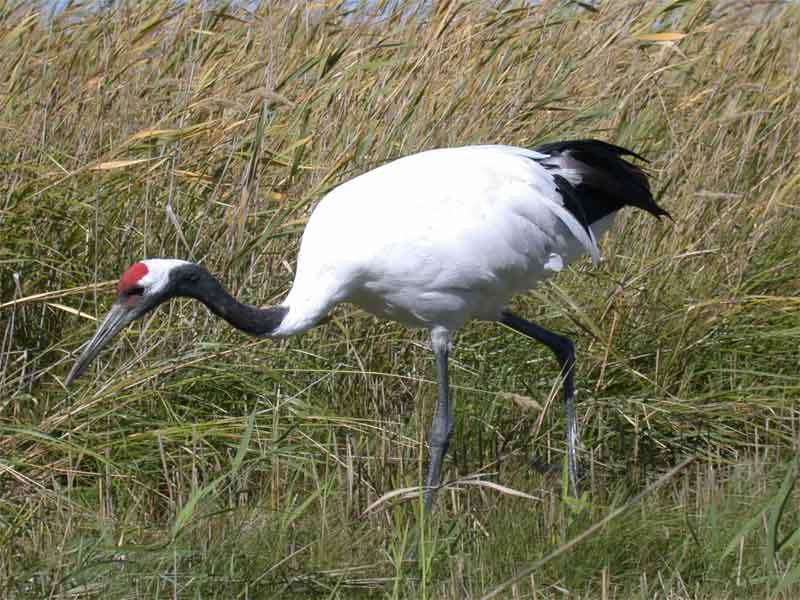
[(192, 462)]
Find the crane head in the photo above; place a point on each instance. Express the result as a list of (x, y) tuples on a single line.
[(142, 287)]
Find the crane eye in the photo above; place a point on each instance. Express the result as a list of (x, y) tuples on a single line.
[(133, 296)]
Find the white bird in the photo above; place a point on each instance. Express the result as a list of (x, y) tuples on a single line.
[(430, 240)]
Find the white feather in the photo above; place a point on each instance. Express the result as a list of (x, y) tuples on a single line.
[(436, 239), (157, 275)]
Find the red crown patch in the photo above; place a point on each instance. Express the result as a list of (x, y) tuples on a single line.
[(131, 277)]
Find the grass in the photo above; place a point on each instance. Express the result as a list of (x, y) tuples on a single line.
[(193, 463)]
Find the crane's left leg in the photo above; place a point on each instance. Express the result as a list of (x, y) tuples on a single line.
[(565, 354), (442, 425)]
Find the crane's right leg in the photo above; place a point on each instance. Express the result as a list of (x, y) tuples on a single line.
[(442, 424), (565, 354)]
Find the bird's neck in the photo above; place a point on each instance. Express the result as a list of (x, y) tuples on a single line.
[(198, 283)]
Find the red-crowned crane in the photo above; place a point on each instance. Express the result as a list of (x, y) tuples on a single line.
[(431, 240)]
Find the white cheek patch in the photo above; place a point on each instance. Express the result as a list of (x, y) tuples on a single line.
[(158, 270)]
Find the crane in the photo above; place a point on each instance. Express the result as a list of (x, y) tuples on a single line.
[(431, 240)]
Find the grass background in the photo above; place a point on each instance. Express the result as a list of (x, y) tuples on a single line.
[(190, 462)]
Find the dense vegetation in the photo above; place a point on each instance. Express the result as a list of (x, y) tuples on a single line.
[(191, 462)]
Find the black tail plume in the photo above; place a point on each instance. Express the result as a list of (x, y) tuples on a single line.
[(596, 181)]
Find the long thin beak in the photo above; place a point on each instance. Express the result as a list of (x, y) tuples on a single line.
[(117, 318)]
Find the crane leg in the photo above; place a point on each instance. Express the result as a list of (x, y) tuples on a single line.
[(565, 353), (442, 424)]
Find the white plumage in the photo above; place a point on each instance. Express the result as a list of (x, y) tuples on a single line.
[(430, 240), (436, 239)]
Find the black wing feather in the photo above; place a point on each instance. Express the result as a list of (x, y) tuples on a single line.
[(594, 180)]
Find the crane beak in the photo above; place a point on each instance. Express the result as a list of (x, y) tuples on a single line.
[(117, 318)]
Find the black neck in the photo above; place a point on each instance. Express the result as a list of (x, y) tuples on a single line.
[(195, 282)]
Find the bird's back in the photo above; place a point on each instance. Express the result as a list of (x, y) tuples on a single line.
[(444, 236)]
